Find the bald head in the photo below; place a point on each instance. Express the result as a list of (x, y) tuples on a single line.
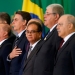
[(69, 19), (66, 25)]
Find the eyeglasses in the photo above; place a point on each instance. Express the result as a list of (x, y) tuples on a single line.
[(49, 14), (31, 32), (59, 24)]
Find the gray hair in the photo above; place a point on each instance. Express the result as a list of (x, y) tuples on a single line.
[(71, 19), (56, 8)]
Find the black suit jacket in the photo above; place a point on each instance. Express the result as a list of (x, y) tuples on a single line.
[(29, 63), (5, 49), (44, 62), (16, 62), (12, 38), (65, 60)]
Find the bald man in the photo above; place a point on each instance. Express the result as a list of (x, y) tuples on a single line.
[(65, 59)]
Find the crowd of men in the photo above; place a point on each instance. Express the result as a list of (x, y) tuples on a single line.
[(23, 50)]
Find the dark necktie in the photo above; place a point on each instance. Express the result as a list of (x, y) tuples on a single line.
[(61, 43), (16, 41)]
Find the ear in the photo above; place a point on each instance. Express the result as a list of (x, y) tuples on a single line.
[(56, 17), (70, 26), (5, 33), (24, 22), (40, 34)]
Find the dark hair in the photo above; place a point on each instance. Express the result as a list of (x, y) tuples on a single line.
[(25, 15), (5, 17), (37, 24)]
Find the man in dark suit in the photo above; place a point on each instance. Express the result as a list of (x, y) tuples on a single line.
[(33, 34), (65, 59), (5, 18), (44, 62), (19, 24), (5, 48)]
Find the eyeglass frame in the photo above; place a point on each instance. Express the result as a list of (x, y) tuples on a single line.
[(49, 14)]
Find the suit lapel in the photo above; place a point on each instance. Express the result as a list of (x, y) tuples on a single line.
[(22, 36), (3, 43), (35, 50), (50, 34), (64, 46)]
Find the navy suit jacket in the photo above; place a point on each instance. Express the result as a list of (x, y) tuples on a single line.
[(16, 62), (44, 62), (65, 59), (5, 49)]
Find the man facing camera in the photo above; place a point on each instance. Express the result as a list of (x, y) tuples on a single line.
[(33, 34)]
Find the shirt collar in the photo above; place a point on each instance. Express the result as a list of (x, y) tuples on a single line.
[(53, 27), (21, 33), (2, 41), (34, 44), (68, 36)]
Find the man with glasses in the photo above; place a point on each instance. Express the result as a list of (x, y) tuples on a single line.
[(33, 34), (65, 59), (44, 62)]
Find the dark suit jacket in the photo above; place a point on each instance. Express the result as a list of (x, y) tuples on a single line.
[(44, 61), (29, 63), (12, 38), (5, 49), (16, 62), (65, 60)]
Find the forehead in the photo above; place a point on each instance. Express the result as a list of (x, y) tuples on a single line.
[(32, 26), (17, 16), (49, 9), (62, 19)]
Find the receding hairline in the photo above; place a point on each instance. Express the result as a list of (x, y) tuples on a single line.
[(69, 18), (56, 8)]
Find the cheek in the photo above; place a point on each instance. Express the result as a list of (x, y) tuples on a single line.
[(1, 34), (62, 32), (47, 21)]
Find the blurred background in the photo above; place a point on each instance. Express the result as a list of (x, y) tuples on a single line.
[(35, 7)]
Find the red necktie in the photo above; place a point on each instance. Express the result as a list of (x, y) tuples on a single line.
[(61, 44)]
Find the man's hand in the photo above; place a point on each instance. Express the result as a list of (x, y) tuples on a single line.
[(15, 53)]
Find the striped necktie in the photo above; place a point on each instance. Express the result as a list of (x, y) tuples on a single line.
[(16, 41), (30, 49)]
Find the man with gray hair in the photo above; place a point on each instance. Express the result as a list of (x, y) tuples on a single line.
[(44, 62), (65, 59)]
